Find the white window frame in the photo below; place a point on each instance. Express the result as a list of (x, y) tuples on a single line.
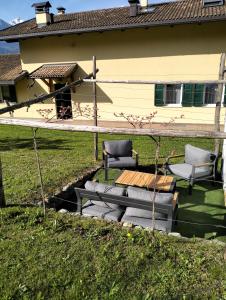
[(171, 104)]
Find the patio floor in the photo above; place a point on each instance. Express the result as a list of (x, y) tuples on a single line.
[(205, 208)]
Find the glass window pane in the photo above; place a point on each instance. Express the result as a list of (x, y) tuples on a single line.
[(173, 94), (210, 94)]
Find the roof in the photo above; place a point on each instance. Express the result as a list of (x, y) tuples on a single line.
[(54, 71), (10, 69), (178, 12)]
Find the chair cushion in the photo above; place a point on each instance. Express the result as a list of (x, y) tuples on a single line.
[(92, 210), (146, 222), (194, 155), (121, 148), (104, 188), (141, 194), (121, 162), (185, 170)]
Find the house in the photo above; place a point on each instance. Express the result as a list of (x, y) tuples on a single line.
[(11, 75), (181, 40)]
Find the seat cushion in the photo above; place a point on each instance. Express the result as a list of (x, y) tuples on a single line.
[(194, 155), (121, 162), (104, 188), (92, 210), (146, 222), (121, 148), (185, 170), (141, 194)]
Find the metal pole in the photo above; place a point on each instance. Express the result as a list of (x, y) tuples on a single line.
[(95, 109), (219, 99)]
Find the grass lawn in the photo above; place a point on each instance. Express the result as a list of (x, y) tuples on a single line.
[(65, 155), (68, 257)]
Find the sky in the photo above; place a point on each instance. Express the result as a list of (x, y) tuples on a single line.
[(11, 9)]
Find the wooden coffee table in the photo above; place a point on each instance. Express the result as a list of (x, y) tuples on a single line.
[(146, 180)]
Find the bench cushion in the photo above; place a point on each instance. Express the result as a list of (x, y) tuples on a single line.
[(141, 194), (104, 188), (146, 222), (92, 210)]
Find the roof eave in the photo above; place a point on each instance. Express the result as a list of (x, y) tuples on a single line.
[(16, 38), (7, 82), (14, 81)]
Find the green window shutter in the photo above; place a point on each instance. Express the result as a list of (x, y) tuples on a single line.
[(198, 95), (188, 95), (159, 94)]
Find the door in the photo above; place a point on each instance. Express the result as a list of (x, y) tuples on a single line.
[(63, 103)]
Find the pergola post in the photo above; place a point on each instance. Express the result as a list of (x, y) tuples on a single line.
[(2, 194), (95, 109)]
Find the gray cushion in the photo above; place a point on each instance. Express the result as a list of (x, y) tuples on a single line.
[(146, 222), (121, 162), (185, 170), (138, 193), (104, 188), (110, 214), (194, 155), (91, 185), (121, 148), (142, 194)]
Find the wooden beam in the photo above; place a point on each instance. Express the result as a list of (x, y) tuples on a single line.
[(42, 98), (156, 81), (46, 82), (95, 110), (129, 131), (51, 86), (219, 100), (2, 194)]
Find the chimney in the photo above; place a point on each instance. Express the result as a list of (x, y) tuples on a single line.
[(43, 17), (61, 10), (144, 3), (133, 7)]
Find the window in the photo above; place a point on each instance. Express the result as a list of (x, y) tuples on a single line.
[(8, 92), (210, 94), (172, 94), (187, 95)]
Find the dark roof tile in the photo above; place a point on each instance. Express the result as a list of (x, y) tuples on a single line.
[(181, 11), (10, 68)]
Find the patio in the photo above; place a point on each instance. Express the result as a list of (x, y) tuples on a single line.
[(204, 208)]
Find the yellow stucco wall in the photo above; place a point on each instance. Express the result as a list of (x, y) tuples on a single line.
[(185, 52)]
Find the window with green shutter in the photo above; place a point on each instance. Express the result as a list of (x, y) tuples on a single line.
[(159, 94), (188, 95), (199, 94)]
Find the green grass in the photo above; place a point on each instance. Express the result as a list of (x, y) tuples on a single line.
[(65, 155), (68, 257)]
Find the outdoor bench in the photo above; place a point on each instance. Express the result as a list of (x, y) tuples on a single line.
[(131, 205)]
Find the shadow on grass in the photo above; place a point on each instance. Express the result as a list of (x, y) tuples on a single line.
[(9, 144)]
